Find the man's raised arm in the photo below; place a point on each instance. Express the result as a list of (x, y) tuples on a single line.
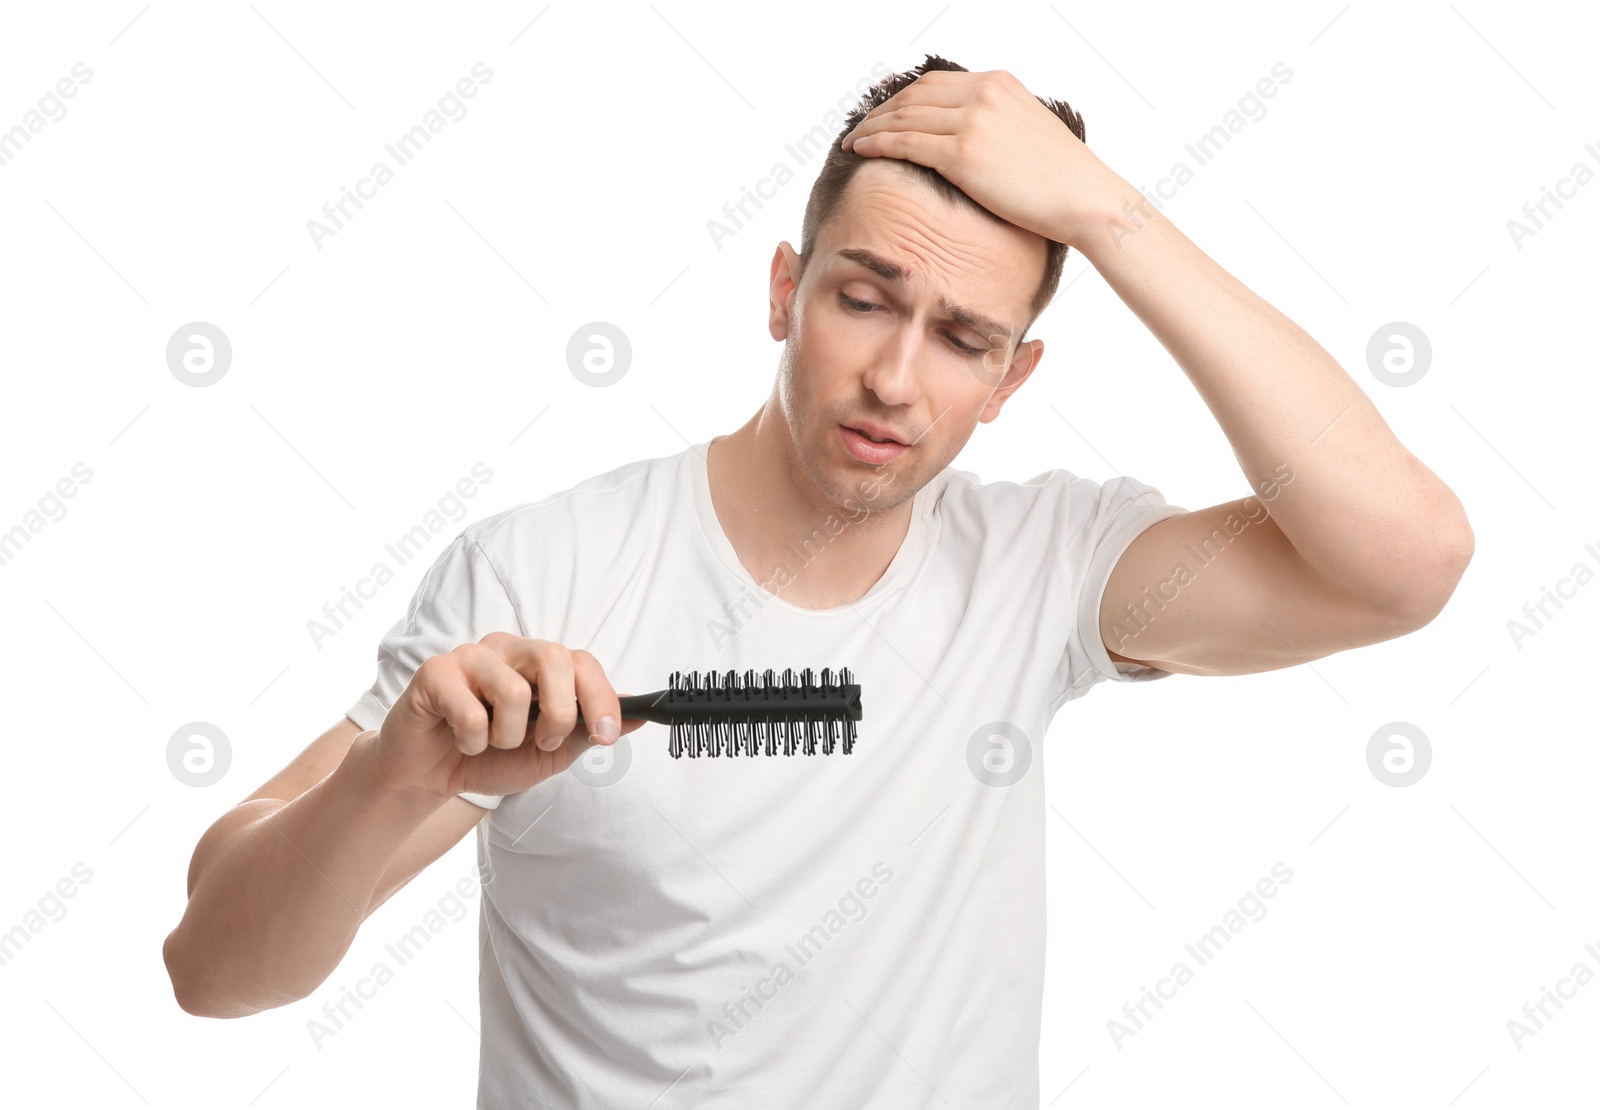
[(1350, 539)]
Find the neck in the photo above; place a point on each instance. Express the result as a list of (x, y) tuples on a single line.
[(793, 538)]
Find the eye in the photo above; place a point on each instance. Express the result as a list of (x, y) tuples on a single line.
[(865, 307)]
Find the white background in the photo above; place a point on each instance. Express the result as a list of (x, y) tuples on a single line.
[(369, 376)]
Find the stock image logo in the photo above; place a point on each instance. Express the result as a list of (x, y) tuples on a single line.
[(1399, 353), (603, 765), (599, 354), (999, 754), (198, 754), (1399, 754), (199, 354)]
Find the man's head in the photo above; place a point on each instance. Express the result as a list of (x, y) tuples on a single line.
[(906, 309), (841, 166)]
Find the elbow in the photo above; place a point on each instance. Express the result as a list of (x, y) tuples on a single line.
[(194, 993), (1430, 580), (185, 990), (188, 989)]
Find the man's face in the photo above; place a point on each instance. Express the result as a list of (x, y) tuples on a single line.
[(927, 357)]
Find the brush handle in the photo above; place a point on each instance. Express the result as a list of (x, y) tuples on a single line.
[(743, 705), (635, 707)]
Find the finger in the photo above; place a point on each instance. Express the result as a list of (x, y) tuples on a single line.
[(452, 694), (940, 87), (548, 667), (484, 674), (928, 119), (490, 682), (602, 709), (506, 690), (909, 146)]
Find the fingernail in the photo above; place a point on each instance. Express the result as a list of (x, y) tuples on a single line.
[(609, 729)]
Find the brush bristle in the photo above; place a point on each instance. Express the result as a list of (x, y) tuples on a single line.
[(769, 724)]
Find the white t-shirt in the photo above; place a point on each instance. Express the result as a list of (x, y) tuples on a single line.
[(862, 930)]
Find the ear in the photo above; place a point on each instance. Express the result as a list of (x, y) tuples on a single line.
[(783, 288), (1016, 372)]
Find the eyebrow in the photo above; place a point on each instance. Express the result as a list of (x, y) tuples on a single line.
[(985, 326)]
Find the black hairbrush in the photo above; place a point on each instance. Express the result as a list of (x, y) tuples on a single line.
[(723, 713)]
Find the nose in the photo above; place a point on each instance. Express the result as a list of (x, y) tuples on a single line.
[(893, 372)]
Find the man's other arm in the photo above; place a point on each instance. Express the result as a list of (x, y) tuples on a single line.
[(279, 884)]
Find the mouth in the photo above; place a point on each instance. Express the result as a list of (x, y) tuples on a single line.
[(875, 434), (869, 448)]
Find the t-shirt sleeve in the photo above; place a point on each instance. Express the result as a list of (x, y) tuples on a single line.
[(460, 600), (1102, 520)]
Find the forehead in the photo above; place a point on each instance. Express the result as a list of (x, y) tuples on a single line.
[(949, 248)]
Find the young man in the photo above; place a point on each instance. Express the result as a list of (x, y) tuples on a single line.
[(862, 930)]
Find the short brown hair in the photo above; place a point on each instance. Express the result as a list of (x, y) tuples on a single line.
[(841, 165)]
